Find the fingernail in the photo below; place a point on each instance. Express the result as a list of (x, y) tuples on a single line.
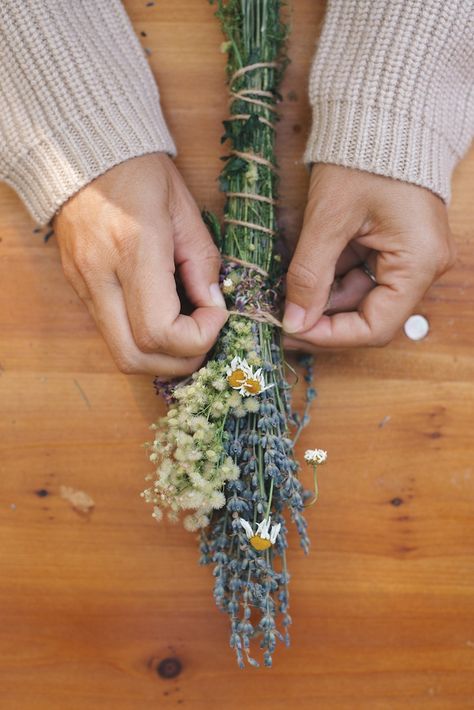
[(294, 317), (216, 296)]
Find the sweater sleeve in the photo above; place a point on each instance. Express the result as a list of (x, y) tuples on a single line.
[(77, 97), (391, 88)]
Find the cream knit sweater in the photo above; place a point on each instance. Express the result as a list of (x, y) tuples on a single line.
[(391, 87)]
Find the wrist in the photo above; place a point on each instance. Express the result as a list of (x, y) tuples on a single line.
[(382, 141)]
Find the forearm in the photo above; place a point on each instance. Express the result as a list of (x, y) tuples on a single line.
[(391, 88), (77, 97)]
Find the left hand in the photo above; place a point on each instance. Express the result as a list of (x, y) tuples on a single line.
[(400, 230), (121, 238)]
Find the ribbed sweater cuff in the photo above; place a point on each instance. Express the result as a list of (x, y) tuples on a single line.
[(381, 141), (47, 173)]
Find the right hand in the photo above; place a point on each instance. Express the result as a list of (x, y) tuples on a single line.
[(120, 238), (352, 216)]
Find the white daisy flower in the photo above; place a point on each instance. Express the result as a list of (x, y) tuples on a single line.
[(238, 365), (315, 456), (263, 537), (243, 378)]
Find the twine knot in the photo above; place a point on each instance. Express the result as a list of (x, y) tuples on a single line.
[(250, 292)]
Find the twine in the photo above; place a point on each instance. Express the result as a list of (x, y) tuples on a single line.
[(255, 92), (253, 196), (254, 158), (246, 116), (259, 316), (243, 95), (246, 264), (240, 96), (251, 67), (250, 225)]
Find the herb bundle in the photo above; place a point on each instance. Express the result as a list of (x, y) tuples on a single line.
[(224, 453)]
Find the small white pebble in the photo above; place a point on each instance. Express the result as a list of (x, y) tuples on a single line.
[(416, 327), (13, 506)]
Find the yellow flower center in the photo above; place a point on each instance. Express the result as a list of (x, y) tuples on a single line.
[(236, 378), (259, 543), (252, 386)]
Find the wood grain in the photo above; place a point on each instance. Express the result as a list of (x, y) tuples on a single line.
[(90, 605)]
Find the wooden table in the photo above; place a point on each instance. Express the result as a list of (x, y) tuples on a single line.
[(91, 604)]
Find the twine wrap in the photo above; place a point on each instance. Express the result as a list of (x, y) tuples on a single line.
[(254, 293)]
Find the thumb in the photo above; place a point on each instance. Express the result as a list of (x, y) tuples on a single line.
[(198, 260), (312, 270)]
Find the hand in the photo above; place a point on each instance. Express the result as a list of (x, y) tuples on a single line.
[(399, 229), (120, 239)]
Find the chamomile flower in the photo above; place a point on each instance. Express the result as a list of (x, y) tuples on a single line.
[(254, 384), (315, 456), (243, 378), (263, 537), (237, 372)]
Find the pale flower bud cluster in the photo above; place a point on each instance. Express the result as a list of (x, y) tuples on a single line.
[(192, 466)]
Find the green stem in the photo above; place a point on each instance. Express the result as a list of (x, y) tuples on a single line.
[(270, 495), (316, 487)]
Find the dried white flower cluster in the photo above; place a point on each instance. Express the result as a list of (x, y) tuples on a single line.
[(315, 456), (192, 466)]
